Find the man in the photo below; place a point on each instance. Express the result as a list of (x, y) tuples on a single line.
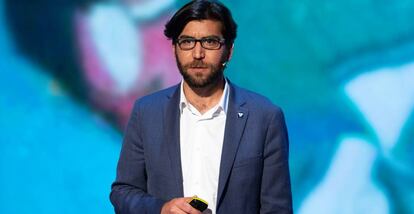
[(205, 136)]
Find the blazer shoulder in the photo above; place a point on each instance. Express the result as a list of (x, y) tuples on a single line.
[(257, 101)]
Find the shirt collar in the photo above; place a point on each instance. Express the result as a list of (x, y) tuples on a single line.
[(223, 103)]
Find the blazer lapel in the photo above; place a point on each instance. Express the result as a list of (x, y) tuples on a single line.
[(172, 137), (235, 124)]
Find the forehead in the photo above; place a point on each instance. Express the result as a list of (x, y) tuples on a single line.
[(202, 28)]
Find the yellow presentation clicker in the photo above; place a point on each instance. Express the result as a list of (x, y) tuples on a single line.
[(199, 203)]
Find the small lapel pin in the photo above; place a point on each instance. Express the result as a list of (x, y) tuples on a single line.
[(240, 114)]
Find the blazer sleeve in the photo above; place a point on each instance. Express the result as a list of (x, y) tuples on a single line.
[(276, 196), (129, 191)]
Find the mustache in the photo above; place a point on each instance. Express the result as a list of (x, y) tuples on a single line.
[(197, 64)]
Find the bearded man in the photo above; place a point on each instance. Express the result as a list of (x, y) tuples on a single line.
[(204, 137)]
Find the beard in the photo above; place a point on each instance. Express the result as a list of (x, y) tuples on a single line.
[(201, 79)]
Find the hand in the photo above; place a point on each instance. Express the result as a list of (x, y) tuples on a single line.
[(179, 206)]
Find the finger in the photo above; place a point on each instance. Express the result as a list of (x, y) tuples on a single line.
[(188, 199), (177, 210), (185, 206), (195, 211)]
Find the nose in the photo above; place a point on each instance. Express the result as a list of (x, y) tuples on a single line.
[(198, 51)]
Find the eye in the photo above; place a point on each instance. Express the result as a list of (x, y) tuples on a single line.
[(211, 41), (185, 41)]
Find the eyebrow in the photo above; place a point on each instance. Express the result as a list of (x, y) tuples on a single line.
[(205, 37), (185, 37)]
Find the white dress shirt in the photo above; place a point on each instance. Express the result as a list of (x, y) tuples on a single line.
[(201, 142)]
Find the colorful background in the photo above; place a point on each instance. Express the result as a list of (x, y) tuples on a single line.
[(343, 71)]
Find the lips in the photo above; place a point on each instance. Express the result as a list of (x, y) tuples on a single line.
[(198, 69)]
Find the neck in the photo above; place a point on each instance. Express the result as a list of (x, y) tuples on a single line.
[(205, 98)]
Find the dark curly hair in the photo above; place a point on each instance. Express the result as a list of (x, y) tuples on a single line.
[(202, 10)]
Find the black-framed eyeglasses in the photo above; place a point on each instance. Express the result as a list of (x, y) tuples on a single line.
[(209, 43)]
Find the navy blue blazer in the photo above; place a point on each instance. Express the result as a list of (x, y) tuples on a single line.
[(254, 171)]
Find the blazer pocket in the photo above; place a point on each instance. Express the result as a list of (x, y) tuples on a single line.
[(247, 161)]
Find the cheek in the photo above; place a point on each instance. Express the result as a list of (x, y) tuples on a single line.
[(216, 58), (184, 57)]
